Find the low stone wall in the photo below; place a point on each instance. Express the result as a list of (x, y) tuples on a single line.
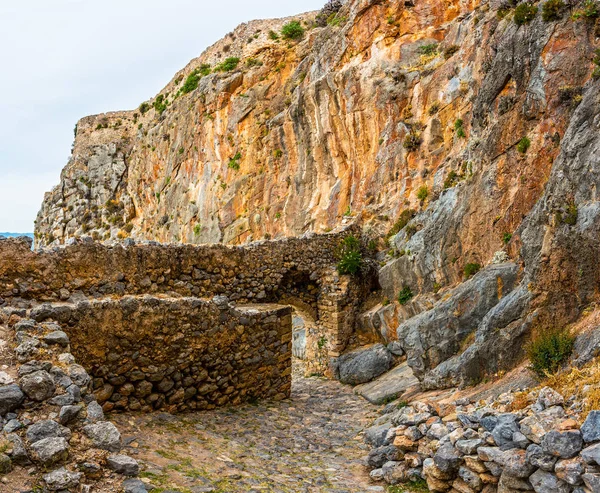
[(180, 354), (489, 447)]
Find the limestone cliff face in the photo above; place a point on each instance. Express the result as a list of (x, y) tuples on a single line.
[(449, 113)]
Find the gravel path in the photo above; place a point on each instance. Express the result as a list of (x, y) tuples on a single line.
[(310, 443)]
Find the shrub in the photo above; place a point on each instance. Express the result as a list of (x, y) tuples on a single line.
[(191, 83), (412, 141), (423, 193), (570, 216), (451, 179), (434, 108), (458, 128), (451, 50), (228, 64), (590, 10), (273, 35), (234, 162), (405, 216), (552, 9), (429, 49), (197, 229), (331, 8), (471, 269), (506, 237), (525, 13), (144, 108), (523, 145), (292, 30), (336, 20), (349, 255), (405, 295), (160, 104), (550, 350)]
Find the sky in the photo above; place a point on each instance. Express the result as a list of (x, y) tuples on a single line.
[(65, 59)]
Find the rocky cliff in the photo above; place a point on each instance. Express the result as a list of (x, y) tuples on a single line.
[(466, 132)]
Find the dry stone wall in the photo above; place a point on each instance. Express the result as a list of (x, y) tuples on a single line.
[(150, 353)]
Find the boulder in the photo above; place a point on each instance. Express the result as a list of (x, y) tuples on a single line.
[(68, 414), (504, 430), (591, 455), (447, 459), (570, 470), (58, 337), (379, 456), (363, 365), (538, 458)]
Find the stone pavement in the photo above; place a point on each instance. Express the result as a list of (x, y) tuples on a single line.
[(310, 443)]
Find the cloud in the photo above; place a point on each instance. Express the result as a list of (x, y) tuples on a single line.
[(65, 59)]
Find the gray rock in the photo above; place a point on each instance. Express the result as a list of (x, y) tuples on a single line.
[(534, 427), (19, 452), (592, 481), (51, 450), (504, 430), (376, 435), (123, 464), (512, 484), (5, 464), (33, 366), (570, 470), (591, 455), (379, 456), (61, 479), (545, 482), (38, 386), (62, 400), (11, 398), (134, 486), (104, 435), (471, 478), (564, 444), (590, 430), (489, 422), (27, 349), (68, 414), (520, 440), (58, 337), (364, 365), (95, 412), (12, 425), (79, 376), (515, 463), (46, 429), (469, 447), (447, 459), (537, 457), (548, 397)]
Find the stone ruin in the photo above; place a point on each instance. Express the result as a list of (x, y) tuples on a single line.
[(92, 328)]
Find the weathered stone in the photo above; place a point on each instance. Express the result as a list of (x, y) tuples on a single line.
[(38, 386), (61, 479), (19, 452), (548, 397), (379, 456), (50, 450), (94, 412), (570, 470), (504, 430), (565, 444), (5, 464), (123, 464), (58, 337), (11, 398), (104, 435), (591, 454), (538, 458), (471, 478), (68, 414), (545, 482), (47, 429), (590, 431), (447, 458), (364, 365), (134, 486)]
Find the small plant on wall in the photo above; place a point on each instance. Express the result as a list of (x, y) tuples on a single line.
[(350, 256)]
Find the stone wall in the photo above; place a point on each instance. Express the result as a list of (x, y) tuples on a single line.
[(149, 353), (297, 271)]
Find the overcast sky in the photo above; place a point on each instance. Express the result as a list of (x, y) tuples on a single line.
[(61, 60)]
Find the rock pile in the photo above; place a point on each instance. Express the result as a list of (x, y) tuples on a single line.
[(51, 422), (485, 447)]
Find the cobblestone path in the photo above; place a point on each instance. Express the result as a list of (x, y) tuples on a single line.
[(308, 444)]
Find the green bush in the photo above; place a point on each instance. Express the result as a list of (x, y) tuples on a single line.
[(451, 179), (412, 141), (160, 104), (458, 128), (552, 10), (349, 255), (144, 108), (228, 64), (191, 83), (292, 30), (590, 10), (523, 145), (405, 295), (525, 13), (423, 193), (506, 237), (429, 49), (273, 35), (550, 350), (234, 162), (471, 269)]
